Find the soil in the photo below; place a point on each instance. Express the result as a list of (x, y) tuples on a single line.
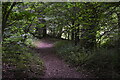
[(55, 66)]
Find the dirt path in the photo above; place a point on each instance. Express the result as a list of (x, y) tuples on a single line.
[(55, 67)]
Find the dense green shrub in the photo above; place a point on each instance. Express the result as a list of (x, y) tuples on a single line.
[(22, 59), (71, 53), (103, 62)]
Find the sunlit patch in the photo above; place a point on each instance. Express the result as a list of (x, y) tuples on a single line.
[(45, 45), (40, 44)]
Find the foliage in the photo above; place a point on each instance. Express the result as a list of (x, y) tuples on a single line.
[(103, 63), (88, 27), (16, 52), (72, 54), (22, 60)]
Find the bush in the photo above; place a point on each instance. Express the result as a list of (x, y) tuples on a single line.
[(21, 61), (102, 63), (105, 63), (72, 54)]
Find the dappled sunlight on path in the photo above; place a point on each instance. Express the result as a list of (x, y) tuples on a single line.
[(45, 45), (42, 44)]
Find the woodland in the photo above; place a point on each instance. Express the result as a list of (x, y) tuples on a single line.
[(85, 35)]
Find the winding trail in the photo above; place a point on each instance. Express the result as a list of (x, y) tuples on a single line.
[(55, 67)]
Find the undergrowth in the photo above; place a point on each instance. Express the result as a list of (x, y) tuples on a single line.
[(102, 63), (20, 61)]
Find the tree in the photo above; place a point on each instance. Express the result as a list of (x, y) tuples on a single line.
[(7, 8)]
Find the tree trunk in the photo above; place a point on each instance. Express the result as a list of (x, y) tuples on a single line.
[(92, 37), (72, 35), (68, 35), (59, 33), (90, 30), (44, 31), (6, 15), (118, 14), (73, 32), (77, 35)]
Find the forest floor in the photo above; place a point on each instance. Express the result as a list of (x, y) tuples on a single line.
[(55, 67)]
